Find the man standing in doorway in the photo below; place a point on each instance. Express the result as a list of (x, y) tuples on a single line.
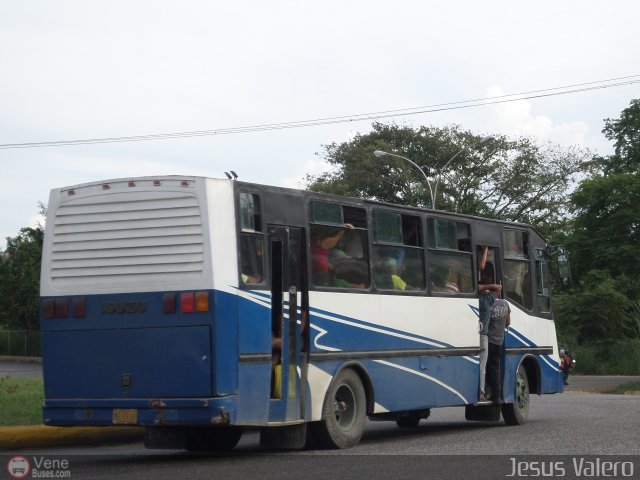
[(487, 291), (500, 320)]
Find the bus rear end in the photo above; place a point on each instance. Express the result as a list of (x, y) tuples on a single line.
[(133, 332)]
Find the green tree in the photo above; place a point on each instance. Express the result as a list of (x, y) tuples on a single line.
[(604, 242), (625, 133), (511, 179), (20, 280)]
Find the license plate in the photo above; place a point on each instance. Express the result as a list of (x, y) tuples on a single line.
[(125, 416)]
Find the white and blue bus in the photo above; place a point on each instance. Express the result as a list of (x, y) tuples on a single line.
[(200, 307)]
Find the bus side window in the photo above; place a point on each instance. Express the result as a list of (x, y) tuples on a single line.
[(251, 240), (339, 245), (542, 281), (517, 275), (450, 257), (398, 255)]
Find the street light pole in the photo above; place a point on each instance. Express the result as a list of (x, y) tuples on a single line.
[(432, 191), (380, 154), (482, 141)]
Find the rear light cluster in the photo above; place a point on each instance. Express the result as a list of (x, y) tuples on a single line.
[(76, 307), (59, 307), (187, 302)]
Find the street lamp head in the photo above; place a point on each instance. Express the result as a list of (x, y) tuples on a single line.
[(486, 139), (380, 153)]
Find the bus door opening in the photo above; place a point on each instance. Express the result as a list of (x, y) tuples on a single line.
[(288, 312), (489, 273)]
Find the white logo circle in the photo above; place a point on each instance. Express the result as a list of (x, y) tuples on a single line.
[(18, 467)]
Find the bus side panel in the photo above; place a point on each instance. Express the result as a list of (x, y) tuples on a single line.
[(528, 334), (253, 394), (426, 382), (225, 340), (254, 339), (254, 318)]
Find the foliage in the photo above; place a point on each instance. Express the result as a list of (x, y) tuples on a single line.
[(604, 243), (627, 387), (607, 357), (606, 229), (20, 279), (598, 311), (625, 133), (21, 400), (510, 179)]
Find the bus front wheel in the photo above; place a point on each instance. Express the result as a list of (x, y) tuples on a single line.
[(343, 412), (517, 413)]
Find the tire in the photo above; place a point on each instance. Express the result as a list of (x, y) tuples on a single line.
[(343, 413), (517, 413), (211, 439), (412, 418)]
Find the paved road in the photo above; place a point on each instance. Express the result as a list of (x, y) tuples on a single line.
[(14, 369), (569, 424), (598, 384)]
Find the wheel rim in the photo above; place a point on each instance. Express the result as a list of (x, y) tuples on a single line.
[(521, 392), (344, 406)]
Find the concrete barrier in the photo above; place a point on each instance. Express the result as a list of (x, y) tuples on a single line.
[(15, 438)]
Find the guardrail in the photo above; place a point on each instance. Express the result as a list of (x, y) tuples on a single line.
[(25, 343)]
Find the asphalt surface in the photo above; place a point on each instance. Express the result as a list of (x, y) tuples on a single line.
[(597, 383), (570, 425), (20, 369), (561, 428)]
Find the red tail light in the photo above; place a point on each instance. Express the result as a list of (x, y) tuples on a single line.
[(61, 307), (187, 302), (49, 309), (169, 303), (79, 307)]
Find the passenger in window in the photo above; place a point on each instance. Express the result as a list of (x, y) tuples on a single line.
[(388, 276), (353, 245), (252, 260), (322, 241), (440, 281), (515, 250), (351, 273)]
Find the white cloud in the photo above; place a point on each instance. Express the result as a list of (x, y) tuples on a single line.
[(314, 166), (517, 118)]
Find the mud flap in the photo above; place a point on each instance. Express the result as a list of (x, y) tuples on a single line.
[(287, 437), (174, 438), (483, 413)]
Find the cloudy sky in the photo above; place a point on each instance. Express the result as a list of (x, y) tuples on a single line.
[(94, 69)]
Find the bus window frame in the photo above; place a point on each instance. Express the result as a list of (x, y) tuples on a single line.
[(365, 238), (527, 258), (256, 233), (429, 255), (421, 246), (544, 260)]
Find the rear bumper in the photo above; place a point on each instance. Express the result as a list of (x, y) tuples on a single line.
[(148, 412)]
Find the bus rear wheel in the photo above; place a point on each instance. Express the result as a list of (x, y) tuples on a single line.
[(517, 413), (343, 413)]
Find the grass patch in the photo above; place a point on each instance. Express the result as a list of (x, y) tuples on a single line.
[(627, 387), (21, 401)]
